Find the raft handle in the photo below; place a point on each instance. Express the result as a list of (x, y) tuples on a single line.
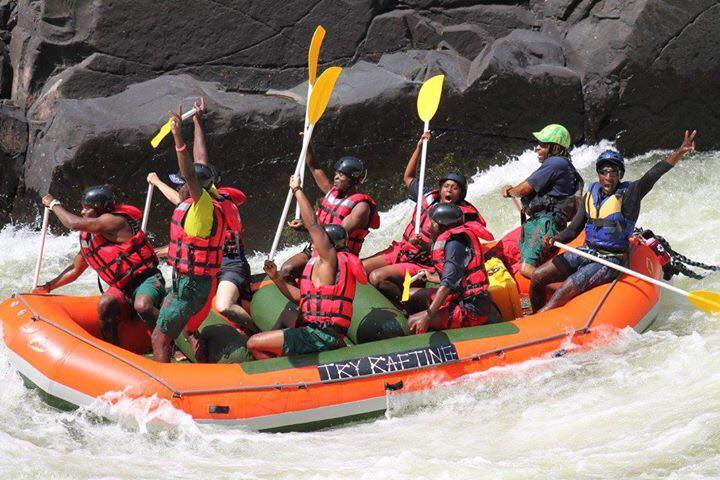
[(225, 409), (394, 387)]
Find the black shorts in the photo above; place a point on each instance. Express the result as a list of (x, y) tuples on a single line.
[(236, 270)]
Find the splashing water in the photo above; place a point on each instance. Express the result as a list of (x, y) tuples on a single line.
[(643, 406)]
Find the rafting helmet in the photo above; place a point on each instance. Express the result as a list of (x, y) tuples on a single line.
[(353, 167), (99, 197), (554, 133), (457, 178), (206, 175), (447, 214), (610, 157), (338, 236)]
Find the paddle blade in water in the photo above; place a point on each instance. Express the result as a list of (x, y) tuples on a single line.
[(429, 97), (164, 130), (406, 287), (705, 300), (314, 53), (321, 92)]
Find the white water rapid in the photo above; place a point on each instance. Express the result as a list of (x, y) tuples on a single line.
[(643, 406)]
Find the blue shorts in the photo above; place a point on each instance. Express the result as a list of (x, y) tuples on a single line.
[(586, 274)]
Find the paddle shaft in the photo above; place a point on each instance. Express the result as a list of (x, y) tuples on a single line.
[(622, 269), (302, 165), (283, 217), (148, 201), (421, 182), (38, 265)]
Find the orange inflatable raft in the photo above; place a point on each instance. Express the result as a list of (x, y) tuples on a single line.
[(54, 343)]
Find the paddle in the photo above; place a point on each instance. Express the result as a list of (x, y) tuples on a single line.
[(316, 107), (38, 265), (313, 56), (167, 127), (146, 213), (705, 300), (409, 281), (427, 104)]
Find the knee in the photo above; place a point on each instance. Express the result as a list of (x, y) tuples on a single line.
[(376, 277), (143, 305), (527, 270), (253, 342)]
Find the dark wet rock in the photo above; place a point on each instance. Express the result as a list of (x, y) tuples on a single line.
[(96, 78), (650, 69)]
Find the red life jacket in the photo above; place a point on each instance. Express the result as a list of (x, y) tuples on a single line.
[(333, 210), (119, 263), (194, 255), (231, 198), (475, 280), (331, 304), (411, 253)]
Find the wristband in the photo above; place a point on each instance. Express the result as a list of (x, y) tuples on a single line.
[(54, 203), (180, 149), (296, 189)]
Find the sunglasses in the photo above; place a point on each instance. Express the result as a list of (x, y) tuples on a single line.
[(609, 172)]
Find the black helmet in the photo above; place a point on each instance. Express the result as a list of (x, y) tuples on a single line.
[(447, 214), (458, 178), (99, 197), (338, 236), (353, 167), (610, 157), (206, 175)]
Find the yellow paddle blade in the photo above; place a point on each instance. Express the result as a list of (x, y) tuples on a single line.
[(705, 300), (314, 53), (406, 287), (164, 130), (321, 92), (429, 97)]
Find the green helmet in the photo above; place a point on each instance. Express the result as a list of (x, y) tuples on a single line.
[(554, 134)]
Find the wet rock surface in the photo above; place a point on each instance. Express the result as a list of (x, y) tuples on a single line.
[(85, 85)]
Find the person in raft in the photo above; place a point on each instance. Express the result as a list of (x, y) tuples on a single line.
[(112, 243), (342, 205), (387, 268), (462, 299), (550, 196), (325, 296), (233, 292), (197, 237), (610, 209)]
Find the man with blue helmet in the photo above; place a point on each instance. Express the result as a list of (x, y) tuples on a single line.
[(610, 209)]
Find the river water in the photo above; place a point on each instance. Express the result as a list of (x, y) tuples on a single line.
[(642, 406)]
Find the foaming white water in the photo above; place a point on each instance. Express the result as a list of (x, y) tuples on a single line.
[(642, 406)]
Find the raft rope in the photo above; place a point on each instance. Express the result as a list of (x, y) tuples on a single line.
[(679, 262)]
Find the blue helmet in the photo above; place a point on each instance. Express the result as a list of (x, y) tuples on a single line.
[(610, 157)]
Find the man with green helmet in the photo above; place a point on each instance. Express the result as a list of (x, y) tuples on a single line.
[(550, 196)]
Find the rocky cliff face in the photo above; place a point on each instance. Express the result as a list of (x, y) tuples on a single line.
[(86, 84)]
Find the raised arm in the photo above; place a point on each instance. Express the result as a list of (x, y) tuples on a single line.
[(184, 161), (320, 240), (321, 179), (168, 192), (411, 167), (199, 146)]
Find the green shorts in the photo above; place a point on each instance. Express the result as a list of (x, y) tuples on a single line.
[(189, 299), (309, 339), (531, 250), (153, 287)]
